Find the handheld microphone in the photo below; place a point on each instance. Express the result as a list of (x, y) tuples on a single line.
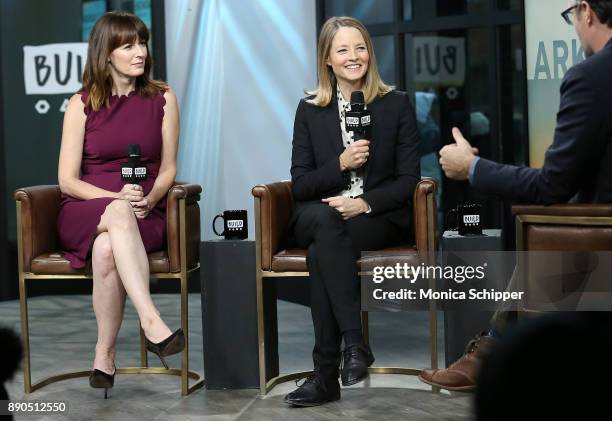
[(359, 120), (134, 170)]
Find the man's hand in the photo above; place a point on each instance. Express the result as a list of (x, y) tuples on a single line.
[(456, 159), (349, 208)]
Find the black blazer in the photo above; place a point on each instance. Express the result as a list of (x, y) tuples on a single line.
[(579, 161), (393, 167)]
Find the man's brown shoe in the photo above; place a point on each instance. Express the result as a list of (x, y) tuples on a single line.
[(461, 375)]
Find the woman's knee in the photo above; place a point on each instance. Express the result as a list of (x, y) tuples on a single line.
[(102, 256), (325, 215), (120, 214), (317, 221)]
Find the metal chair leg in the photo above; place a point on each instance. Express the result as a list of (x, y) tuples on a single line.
[(25, 333), (261, 334), (185, 327)]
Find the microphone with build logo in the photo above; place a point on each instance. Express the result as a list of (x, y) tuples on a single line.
[(134, 170), (358, 120)]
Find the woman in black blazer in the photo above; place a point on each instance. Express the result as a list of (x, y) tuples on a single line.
[(351, 196)]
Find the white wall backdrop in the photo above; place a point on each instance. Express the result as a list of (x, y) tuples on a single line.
[(239, 68)]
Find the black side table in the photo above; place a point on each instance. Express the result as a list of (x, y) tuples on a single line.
[(461, 326), (229, 314)]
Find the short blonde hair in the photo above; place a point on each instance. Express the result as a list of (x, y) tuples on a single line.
[(373, 86)]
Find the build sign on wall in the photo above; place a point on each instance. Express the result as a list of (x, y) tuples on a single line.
[(52, 69), (440, 60)]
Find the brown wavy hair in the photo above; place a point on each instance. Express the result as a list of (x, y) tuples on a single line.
[(373, 86), (111, 31)]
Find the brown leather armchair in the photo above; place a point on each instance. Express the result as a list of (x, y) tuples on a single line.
[(273, 208), (39, 257), (556, 228)]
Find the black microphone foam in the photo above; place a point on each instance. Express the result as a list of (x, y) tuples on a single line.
[(133, 149), (358, 119), (357, 99), (134, 171)]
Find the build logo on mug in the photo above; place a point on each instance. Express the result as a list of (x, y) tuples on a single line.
[(235, 226)]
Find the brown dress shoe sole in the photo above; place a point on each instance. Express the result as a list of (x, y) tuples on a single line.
[(453, 388)]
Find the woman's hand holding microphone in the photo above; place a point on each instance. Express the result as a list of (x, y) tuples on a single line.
[(355, 155), (131, 192), (135, 195)]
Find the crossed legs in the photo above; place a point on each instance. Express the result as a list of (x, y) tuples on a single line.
[(121, 267), (334, 245)]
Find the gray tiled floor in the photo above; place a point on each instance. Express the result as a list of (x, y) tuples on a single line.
[(63, 334)]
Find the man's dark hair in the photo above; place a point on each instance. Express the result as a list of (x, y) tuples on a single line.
[(603, 10)]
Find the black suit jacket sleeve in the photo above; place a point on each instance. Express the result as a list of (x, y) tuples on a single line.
[(578, 121), (398, 193), (308, 181)]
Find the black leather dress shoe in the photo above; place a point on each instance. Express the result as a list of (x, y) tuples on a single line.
[(316, 390), (355, 362)]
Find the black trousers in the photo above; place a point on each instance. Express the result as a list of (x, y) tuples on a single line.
[(334, 245)]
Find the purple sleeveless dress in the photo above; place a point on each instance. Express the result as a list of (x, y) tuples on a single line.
[(129, 119)]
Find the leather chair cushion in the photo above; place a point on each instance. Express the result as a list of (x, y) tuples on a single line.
[(568, 237), (291, 260), (390, 257), (55, 264), (294, 260)]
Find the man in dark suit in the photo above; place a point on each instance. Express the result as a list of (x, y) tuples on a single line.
[(577, 165)]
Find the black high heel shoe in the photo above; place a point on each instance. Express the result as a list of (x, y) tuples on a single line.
[(173, 344), (99, 379)]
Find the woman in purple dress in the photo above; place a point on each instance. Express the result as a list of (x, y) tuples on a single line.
[(101, 217)]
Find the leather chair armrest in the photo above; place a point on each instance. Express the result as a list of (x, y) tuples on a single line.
[(565, 209), (39, 209), (191, 194), (275, 208), (425, 215)]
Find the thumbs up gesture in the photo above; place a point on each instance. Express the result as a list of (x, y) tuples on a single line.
[(456, 159)]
